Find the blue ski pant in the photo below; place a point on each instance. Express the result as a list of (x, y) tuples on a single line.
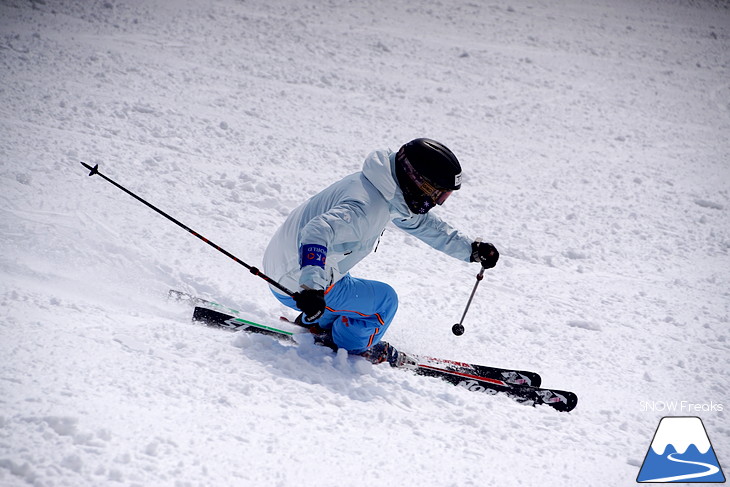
[(358, 312)]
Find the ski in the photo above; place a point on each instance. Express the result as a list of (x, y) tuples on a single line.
[(507, 382), (526, 394), (218, 319), (204, 312), (510, 376), (521, 386)]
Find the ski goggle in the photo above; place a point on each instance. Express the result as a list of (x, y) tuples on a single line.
[(437, 195)]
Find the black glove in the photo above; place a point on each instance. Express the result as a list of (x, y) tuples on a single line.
[(311, 303), (484, 253)]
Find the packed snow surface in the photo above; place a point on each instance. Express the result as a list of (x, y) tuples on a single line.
[(593, 135)]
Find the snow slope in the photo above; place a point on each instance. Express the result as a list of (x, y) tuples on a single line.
[(594, 140)]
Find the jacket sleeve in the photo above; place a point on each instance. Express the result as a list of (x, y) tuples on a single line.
[(438, 234), (345, 222)]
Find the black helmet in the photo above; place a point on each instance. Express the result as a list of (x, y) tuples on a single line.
[(427, 173)]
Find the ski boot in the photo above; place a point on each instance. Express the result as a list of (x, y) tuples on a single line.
[(384, 352)]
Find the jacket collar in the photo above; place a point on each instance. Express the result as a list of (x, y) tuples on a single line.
[(379, 169)]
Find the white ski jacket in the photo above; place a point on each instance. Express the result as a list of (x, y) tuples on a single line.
[(348, 219)]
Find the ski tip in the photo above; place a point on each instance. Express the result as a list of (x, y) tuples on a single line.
[(571, 401), (93, 170)]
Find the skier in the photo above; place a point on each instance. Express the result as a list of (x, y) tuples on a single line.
[(321, 240)]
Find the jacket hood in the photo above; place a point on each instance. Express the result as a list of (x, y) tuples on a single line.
[(379, 169)]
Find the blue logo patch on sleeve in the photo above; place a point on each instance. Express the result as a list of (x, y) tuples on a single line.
[(312, 254)]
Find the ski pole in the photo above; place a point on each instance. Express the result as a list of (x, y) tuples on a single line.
[(95, 170), (458, 328)]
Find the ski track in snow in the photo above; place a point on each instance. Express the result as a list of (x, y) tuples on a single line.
[(593, 137)]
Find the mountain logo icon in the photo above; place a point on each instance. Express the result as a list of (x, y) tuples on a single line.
[(681, 452)]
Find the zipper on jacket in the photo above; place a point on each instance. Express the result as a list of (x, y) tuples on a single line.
[(378, 242)]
